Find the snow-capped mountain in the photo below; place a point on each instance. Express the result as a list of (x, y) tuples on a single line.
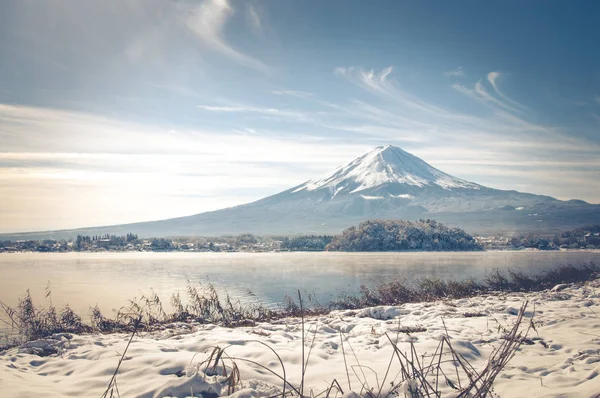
[(389, 180), (384, 165), (384, 183)]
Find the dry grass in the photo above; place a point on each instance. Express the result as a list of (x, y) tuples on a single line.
[(400, 291), (32, 323), (203, 304)]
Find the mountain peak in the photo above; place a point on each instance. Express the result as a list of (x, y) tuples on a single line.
[(385, 164), (386, 147), (390, 154)]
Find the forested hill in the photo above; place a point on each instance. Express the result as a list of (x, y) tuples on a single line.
[(381, 235)]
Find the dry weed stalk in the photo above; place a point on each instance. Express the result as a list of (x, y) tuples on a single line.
[(112, 387), (421, 380)]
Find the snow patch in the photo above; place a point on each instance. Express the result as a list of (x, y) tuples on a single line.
[(336, 191), (402, 196), (371, 197)]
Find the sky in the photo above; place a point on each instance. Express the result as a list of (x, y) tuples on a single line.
[(115, 111)]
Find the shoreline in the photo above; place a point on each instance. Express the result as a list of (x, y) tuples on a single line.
[(561, 357), (527, 250), (207, 303)]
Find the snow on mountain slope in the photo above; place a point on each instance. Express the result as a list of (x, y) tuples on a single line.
[(385, 165)]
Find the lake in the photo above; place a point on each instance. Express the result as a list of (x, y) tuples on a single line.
[(111, 279)]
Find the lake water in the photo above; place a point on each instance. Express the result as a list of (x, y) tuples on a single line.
[(111, 279)]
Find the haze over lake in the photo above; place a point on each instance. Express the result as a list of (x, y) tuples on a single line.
[(111, 279)]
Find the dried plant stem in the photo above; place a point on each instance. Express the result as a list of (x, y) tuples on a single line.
[(113, 380)]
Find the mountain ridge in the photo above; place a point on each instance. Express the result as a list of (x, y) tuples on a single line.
[(384, 183)]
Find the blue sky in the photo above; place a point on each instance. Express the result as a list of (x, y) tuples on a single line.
[(117, 111)]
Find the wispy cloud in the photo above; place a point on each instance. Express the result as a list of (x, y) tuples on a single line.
[(208, 21), (480, 94), (493, 78), (33, 129), (254, 19), (382, 84), (286, 113), (225, 108), (402, 110), (458, 72), (293, 93), (411, 109), (515, 117)]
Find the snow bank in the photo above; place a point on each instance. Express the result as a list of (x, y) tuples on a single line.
[(561, 358)]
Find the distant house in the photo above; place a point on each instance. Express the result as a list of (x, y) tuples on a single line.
[(104, 243)]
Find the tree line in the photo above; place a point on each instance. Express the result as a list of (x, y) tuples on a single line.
[(587, 237), (306, 242)]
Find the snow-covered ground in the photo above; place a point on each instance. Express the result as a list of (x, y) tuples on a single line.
[(561, 360)]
